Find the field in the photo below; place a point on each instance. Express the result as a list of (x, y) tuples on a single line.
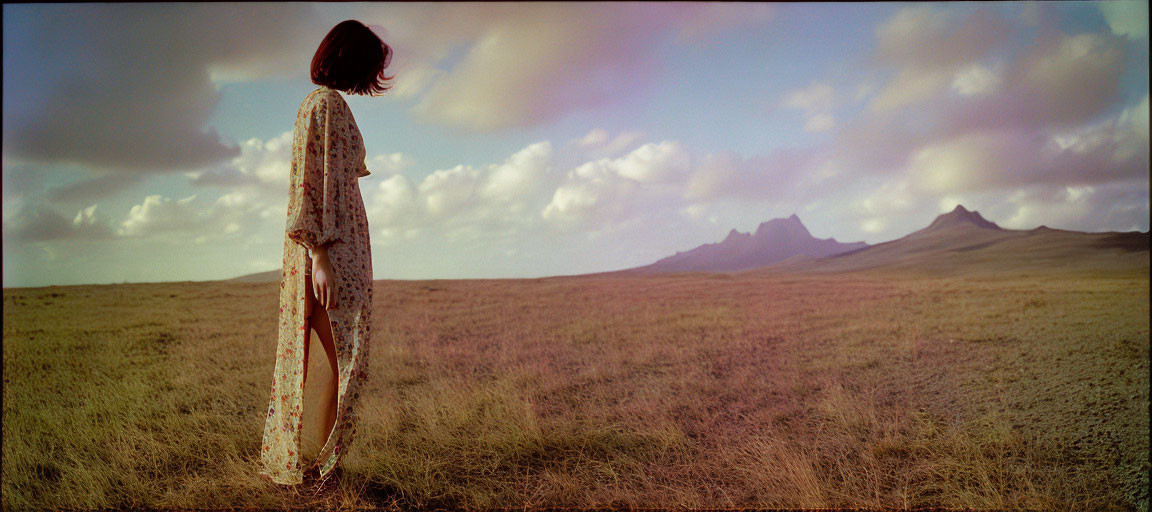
[(757, 389)]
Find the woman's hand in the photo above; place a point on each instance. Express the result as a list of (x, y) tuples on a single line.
[(323, 278)]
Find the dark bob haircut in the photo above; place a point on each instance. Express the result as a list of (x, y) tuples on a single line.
[(351, 58)]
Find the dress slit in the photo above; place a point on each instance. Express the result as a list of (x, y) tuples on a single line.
[(335, 358), (323, 452)]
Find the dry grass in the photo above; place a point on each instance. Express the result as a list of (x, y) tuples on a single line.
[(694, 390)]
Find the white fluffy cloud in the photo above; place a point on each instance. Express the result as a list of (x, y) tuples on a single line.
[(228, 217), (394, 203), (389, 163), (161, 214), (261, 163), (606, 192), (462, 200)]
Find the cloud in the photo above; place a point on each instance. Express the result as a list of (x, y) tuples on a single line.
[(816, 101), (394, 204), (85, 217), (876, 211), (897, 207), (412, 79), (1009, 125), (1071, 79), (1110, 207), (771, 176), (911, 34), (230, 216), (926, 44), (541, 61), (608, 192), (20, 179), (536, 67), (462, 200), (1114, 149), (389, 163), (1056, 83), (92, 189), (910, 86), (1126, 18), (159, 214), (651, 163), (136, 97), (1025, 177), (38, 222), (975, 80), (598, 143), (261, 163), (928, 36), (519, 175)]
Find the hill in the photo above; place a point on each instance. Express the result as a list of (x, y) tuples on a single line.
[(963, 240), (774, 241), (959, 241), (259, 277)]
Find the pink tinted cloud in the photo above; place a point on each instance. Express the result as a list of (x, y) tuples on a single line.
[(1061, 83), (539, 62)]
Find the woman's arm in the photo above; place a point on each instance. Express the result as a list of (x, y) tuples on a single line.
[(315, 206), (323, 277)]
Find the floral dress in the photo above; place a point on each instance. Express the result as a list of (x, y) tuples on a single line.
[(324, 207)]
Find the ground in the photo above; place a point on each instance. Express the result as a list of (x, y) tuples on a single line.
[(704, 390)]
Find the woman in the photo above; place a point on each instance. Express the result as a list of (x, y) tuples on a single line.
[(327, 263)]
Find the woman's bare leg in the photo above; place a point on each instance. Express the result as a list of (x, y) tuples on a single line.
[(319, 413)]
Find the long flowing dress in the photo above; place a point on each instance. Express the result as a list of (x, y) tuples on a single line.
[(324, 207)]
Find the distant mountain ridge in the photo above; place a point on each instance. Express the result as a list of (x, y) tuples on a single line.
[(963, 240), (958, 241), (259, 277), (773, 241)]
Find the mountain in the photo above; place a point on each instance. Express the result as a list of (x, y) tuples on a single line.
[(963, 240), (259, 277), (957, 242), (960, 217), (774, 241)]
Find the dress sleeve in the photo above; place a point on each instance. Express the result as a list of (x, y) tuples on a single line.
[(363, 170), (315, 204)]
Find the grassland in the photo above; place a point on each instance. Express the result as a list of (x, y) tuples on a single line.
[(866, 389)]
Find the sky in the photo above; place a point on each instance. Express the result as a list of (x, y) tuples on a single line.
[(151, 142)]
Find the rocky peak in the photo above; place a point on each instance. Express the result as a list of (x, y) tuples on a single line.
[(735, 235), (790, 227), (961, 216)]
